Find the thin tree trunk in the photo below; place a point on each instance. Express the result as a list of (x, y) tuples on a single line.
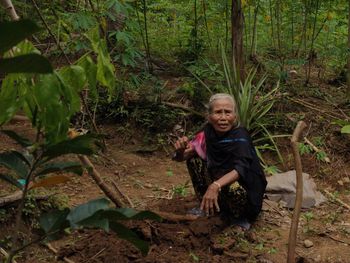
[(237, 26), (254, 38), (292, 24), (281, 54), (148, 53), (206, 21), (311, 51), (272, 28), (226, 23), (7, 4), (348, 73)]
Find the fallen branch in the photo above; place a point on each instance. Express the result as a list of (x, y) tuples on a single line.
[(99, 181), (336, 239), (313, 107), (123, 195), (179, 106), (3, 251), (336, 199), (16, 196), (176, 218), (317, 150), (54, 250), (299, 192)]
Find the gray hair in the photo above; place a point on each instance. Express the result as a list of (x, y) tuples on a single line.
[(220, 96), (225, 96)]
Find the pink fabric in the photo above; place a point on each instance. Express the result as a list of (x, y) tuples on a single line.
[(198, 142)]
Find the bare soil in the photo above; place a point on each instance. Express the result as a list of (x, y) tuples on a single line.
[(153, 181)]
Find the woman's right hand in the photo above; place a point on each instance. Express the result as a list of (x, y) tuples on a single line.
[(183, 149)]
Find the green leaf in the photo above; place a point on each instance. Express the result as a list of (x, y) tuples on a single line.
[(345, 129), (11, 33), (54, 221), (125, 233), (96, 220), (29, 63), (90, 68), (73, 80), (73, 167), (12, 96), (83, 144), (19, 139), (11, 161), (10, 180), (87, 210)]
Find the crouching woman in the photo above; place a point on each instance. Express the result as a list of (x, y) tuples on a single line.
[(223, 165)]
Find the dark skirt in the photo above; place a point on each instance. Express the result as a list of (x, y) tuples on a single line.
[(232, 199)]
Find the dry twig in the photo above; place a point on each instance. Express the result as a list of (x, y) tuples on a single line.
[(336, 199), (54, 250)]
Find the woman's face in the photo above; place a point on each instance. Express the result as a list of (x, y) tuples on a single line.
[(222, 116)]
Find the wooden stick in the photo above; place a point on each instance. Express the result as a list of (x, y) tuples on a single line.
[(299, 192), (54, 250), (123, 195), (336, 199), (100, 182), (317, 150), (179, 106), (176, 218), (3, 251)]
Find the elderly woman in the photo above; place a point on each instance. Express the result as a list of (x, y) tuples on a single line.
[(226, 155)]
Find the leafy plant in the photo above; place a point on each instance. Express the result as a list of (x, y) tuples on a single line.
[(304, 148)]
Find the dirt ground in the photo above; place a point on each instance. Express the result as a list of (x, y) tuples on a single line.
[(153, 181)]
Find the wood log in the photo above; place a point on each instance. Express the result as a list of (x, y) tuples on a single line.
[(175, 217)]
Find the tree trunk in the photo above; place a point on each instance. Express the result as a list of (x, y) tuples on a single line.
[(7, 4), (254, 38), (348, 73), (237, 25)]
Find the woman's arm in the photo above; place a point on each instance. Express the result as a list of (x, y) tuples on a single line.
[(210, 198)]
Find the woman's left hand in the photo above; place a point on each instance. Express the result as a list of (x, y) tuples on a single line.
[(210, 200)]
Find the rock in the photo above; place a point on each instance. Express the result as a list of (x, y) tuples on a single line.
[(346, 180), (308, 243), (340, 182), (318, 258)]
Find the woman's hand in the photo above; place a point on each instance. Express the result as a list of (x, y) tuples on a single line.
[(183, 149), (210, 200)]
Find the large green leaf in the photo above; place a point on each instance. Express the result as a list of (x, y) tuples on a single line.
[(96, 221), (105, 68), (73, 80), (29, 63), (50, 107), (90, 68), (54, 221), (11, 161), (83, 144), (11, 33), (12, 95), (87, 210), (19, 139), (11, 180), (125, 233), (73, 167), (345, 129)]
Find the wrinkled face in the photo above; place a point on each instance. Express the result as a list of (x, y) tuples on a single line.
[(222, 116)]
